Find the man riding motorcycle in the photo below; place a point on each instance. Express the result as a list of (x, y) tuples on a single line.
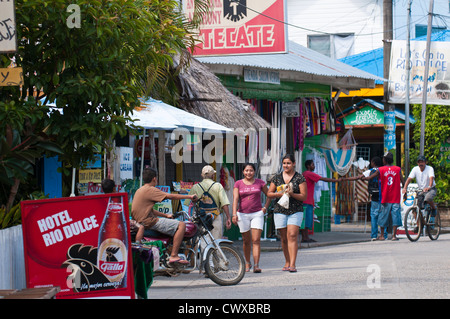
[(143, 213)]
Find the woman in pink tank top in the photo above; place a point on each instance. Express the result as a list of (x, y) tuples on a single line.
[(248, 213)]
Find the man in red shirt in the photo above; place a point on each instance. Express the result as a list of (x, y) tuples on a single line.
[(390, 177), (311, 180)]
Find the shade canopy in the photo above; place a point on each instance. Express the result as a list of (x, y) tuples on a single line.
[(155, 114)]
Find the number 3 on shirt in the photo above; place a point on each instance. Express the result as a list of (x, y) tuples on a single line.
[(390, 180)]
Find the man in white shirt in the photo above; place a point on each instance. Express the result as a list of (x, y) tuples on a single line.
[(424, 176)]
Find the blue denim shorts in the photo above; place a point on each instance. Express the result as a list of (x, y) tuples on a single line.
[(282, 220), (388, 209)]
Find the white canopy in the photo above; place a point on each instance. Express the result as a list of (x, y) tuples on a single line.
[(157, 115)]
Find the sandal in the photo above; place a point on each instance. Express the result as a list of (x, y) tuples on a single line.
[(178, 261), (257, 270), (292, 269), (248, 266), (285, 269)]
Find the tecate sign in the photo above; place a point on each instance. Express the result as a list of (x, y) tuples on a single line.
[(241, 27)]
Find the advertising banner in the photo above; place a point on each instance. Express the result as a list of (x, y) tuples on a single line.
[(389, 132), (241, 27), (81, 244), (438, 88)]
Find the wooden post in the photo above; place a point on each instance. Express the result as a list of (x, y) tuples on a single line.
[(161, 158)]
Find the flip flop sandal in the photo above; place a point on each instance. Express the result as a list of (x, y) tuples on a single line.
[(179, 261)]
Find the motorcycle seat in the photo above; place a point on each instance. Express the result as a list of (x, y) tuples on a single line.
[(152, 235)]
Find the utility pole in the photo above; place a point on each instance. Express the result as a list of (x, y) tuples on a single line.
[(425, 79), (389, 109), (408, 84)]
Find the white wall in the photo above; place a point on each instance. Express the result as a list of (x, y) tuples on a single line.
[(362, 17)]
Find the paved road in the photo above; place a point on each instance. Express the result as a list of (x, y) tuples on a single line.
[(360, 270)]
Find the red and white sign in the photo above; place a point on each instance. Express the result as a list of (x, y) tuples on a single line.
[(241, 27), (81, 244)]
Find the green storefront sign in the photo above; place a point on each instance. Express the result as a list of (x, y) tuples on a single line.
[(366, 116)]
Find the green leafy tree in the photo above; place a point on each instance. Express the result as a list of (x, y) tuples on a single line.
[(437, 132), (94, 58)]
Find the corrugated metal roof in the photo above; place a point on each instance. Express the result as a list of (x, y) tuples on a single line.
[(298, 59)]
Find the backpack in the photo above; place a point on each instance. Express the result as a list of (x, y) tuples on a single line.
[(373, 186), (206, 204)]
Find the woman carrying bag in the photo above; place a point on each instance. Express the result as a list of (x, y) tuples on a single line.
[(288, 219)]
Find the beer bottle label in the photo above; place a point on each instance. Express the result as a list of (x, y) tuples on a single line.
[(112, 259)]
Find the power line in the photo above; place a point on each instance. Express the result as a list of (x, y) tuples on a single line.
[(317, 31)]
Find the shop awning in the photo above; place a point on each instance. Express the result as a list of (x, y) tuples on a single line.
[(157, 115)]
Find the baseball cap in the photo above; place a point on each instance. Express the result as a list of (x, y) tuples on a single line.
[(421, 158), (208, 169)]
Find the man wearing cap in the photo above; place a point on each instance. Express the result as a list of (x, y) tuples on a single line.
[(424, 176), (390, 177), (217, 191)]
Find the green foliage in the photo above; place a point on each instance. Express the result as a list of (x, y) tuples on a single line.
[(13, 217), (95, 73), (437, 132), (123, 49)]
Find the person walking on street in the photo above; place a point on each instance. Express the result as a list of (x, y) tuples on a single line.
[(248, 213), (308, 205), (390, 177), (219, 199), (424, 175), (288, 220)]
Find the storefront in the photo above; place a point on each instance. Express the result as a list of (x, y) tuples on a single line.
[(293, 92), (366, 119)]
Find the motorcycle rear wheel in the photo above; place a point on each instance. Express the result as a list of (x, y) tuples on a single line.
[(219, 271)]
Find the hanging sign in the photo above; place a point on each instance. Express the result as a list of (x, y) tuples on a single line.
[(81, 244), (11, 76), (241, 27), (438, 87), (389, 129), (8, 41)]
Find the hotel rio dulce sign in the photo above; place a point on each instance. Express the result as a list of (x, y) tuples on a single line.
[(81, 244), (241, 27)]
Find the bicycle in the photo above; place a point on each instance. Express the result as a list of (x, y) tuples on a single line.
[(414, 220)]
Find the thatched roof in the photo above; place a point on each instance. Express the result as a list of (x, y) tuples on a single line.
[(203, 94)]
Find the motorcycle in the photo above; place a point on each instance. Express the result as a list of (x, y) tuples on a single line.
[(222, 262)]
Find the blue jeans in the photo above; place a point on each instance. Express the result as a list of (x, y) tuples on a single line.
[(308, 215), (375, 209)]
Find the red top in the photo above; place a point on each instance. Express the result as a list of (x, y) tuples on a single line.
[(390, 184), (311, 180)]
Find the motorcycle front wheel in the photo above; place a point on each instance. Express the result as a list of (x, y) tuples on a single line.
[(225, 272)]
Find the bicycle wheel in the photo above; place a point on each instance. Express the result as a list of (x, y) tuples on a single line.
[(434, 226), (225, 273), (413, 224)]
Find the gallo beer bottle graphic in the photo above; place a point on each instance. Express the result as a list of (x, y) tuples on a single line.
[(112, 244)]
